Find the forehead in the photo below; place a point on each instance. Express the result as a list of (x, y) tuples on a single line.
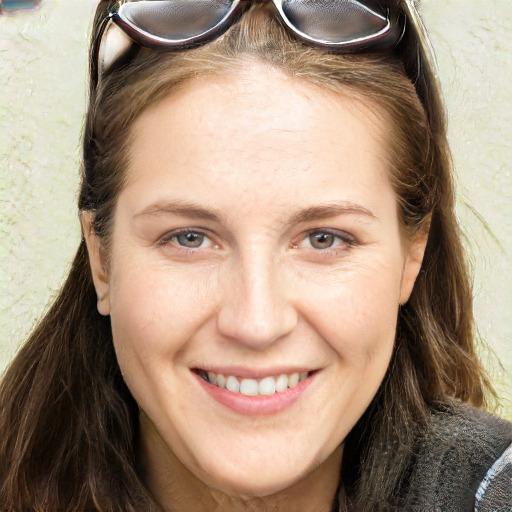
[(259, 130)]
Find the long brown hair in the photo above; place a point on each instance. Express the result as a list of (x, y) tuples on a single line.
[(68, 424)]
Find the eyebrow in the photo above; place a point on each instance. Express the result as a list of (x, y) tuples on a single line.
[(330, 210), (179, 208), (192, 210)]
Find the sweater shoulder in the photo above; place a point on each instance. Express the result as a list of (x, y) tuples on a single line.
[(469, 429), (460, 446)]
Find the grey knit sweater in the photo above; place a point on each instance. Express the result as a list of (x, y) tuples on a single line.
[(464, 464)]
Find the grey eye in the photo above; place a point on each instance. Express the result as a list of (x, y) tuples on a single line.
[(321, 240), (190, 240)]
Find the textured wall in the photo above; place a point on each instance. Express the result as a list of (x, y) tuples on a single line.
[(42, 100)]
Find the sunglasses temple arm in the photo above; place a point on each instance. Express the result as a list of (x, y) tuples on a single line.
[(94, 69), (112, 42), (426, 58)]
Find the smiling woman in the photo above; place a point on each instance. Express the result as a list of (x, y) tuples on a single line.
[(275, 290), (270, 308)]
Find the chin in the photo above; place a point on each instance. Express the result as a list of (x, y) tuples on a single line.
[(253, 485), (257, 478)]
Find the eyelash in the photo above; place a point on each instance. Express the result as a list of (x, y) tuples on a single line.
[(171, 237), (344, 239)]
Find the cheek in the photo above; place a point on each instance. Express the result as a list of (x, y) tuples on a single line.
[(154, 312), (356, 312)]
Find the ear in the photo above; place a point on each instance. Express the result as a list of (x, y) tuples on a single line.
[(414, 252), (98, 262)]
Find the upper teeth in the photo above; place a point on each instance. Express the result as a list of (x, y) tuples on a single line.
[(254, 387)]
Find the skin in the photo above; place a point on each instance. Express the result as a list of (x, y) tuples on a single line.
[(259, 163)]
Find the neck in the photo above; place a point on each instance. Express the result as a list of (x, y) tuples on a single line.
[(175, 489)]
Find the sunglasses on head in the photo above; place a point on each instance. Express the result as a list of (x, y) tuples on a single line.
[(341, 26)]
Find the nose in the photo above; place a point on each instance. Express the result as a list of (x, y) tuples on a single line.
[(256, 309)]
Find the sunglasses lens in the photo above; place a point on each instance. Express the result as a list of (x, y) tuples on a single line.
[(175, 20), (334, 21)]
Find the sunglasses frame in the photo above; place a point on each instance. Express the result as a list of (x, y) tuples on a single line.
[(152, 41), (404, 30), (235, 11)]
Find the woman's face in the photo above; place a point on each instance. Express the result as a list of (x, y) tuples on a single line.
[(256, 243)]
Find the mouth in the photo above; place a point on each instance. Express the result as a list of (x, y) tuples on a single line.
[(265, 386)]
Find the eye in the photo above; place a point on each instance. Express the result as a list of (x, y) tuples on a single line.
[(324, 239), (188, 239)]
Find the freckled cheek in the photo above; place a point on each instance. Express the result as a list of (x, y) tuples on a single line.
[(356, 314), (156, 312)]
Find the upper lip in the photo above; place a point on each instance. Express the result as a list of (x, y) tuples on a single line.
[(253, 373)]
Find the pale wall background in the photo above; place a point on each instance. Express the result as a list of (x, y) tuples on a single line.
[(42, 102)]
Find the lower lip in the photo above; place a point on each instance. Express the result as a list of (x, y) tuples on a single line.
[(256, 405)]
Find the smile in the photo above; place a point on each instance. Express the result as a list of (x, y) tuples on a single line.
[(265, 386)]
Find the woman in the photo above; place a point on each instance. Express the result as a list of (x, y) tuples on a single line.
[(270, 309)]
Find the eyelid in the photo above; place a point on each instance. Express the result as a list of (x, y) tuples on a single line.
[(338, 233), (167, 238), (343, 236)]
